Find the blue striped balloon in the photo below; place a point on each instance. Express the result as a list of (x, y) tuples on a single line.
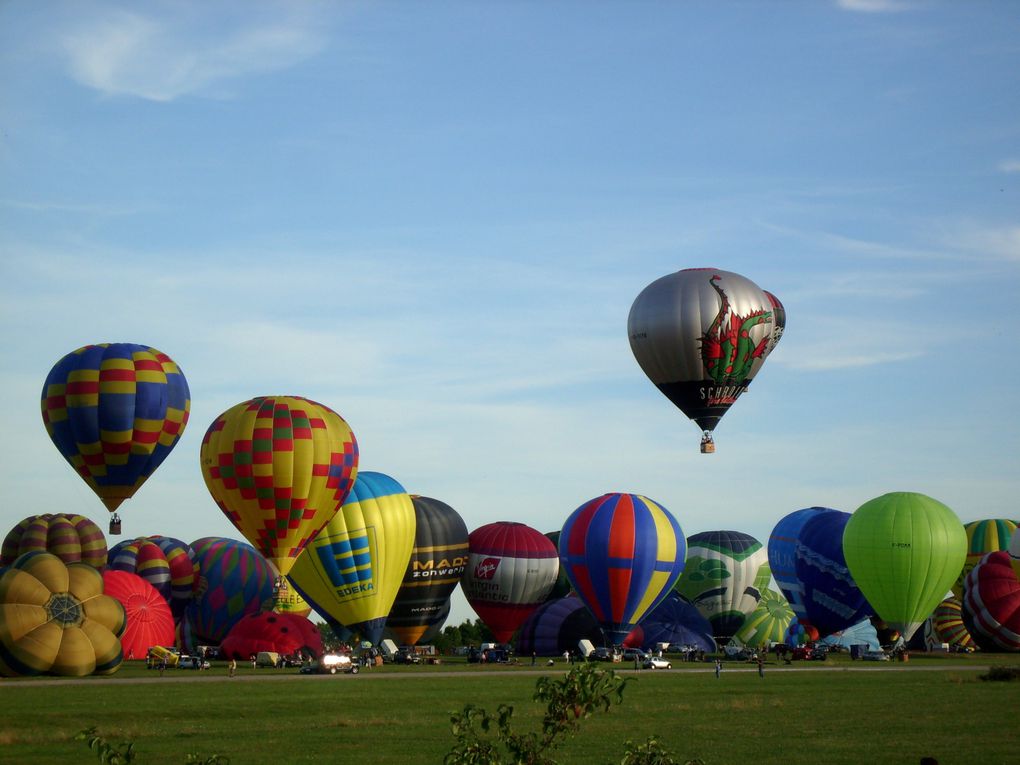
[(622, 554)]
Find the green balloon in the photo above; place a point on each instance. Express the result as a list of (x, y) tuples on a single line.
[(904, 551)]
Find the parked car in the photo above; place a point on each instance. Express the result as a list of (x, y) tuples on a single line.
[(654, 662), (819, 653), (406, 655), (630, 654), (875, 656), (330, 664)]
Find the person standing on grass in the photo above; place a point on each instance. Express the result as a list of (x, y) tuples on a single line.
[(718, 668), (761, 666), (233, 666)]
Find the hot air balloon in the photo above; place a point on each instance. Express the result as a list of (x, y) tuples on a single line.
[(832, 600), (767, 623), (149, 621), (285, 634), (438, 560), (234, 580), (557, 626), (279, 467), (676, 622), (115, 411), (623, 553), (72, 538), (862, 633), (353, 569), (904, 550), (948, 626), (511, 568), (55, 619), (701, 335), (992, 599), (725, 575), (782, 553), (166, 563), (983, 537), (562, 587), (798, 633)]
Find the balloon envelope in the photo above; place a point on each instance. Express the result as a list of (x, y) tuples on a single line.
[(767, 623), (992, 598), (234, 580), (438, 560), (832, 600), (701, 335), (676, 622), (149, 621), (72, 538), (279, 467), (904, 551), (782, 554), (511, 569), (983, 537), (623, 553), (285, 634), (725, 575), (115, 411), (354, 567), (557, 626), (55, 618)]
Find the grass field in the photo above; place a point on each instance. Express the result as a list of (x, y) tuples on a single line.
[(836, 712)]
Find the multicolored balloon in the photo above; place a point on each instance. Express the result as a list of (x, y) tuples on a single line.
[(992, 599), (701, 335), (767, 623), (983, 537), (799, 633), (234, 580), (726, 573), (438, 560), (832, 600), (623, 553), (511, 568), (279, 467), (149, 620), (782, 553), (72, 538), (55, 619), (164, 562), (948, 625), (353, 569), (904, 550), (115, 411)]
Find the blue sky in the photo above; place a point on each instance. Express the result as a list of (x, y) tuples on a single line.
[(434, 217)]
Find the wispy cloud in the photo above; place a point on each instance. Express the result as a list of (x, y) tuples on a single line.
[(873, 6), (162, 58), (1009, 166)]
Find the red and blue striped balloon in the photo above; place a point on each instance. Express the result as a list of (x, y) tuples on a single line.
[(622, 553)]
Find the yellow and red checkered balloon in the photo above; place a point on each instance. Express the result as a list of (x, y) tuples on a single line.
[(279, 467)]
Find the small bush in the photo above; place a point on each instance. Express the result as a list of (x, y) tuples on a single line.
[(1001, 674)]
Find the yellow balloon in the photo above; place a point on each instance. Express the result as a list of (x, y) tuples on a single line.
[(352, 571), (279, 467)]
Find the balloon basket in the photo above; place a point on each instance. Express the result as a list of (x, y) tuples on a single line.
[(707, 445), (115, 524)]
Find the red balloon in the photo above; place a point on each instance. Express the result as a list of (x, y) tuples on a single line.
[(149, 621), (992, 598), (511, 570), (283, 633)]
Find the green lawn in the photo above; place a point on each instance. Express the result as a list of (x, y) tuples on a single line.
[(893, 713)]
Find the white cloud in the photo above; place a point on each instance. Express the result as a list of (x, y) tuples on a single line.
[(160, 59), (1009, 166), (873, 6)]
